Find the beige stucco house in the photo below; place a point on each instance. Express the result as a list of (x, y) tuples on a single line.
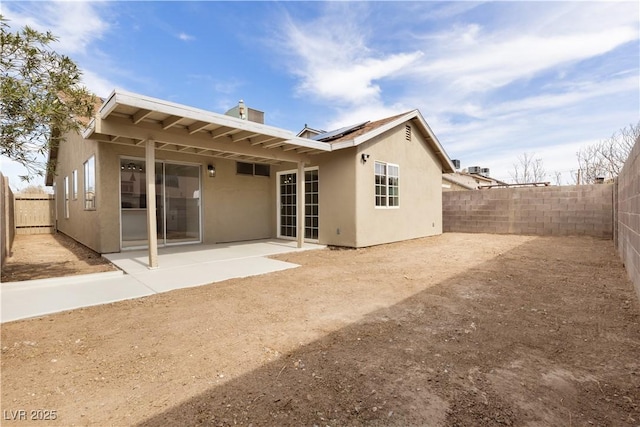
[(193, 176)]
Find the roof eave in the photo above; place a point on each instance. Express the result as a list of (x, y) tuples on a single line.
[(119, 97)]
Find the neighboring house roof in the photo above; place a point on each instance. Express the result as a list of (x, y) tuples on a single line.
[(311, 131), (352, 136), (451, 178), (471, 180)]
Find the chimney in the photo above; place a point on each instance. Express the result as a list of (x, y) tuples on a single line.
[(243, 112)]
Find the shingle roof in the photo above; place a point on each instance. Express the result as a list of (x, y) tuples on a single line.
[(367, 128)]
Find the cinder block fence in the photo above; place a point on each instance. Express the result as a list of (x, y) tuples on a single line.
[(628, 207), (585, 210)]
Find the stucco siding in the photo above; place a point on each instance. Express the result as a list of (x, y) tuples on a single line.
[(235, 207), (238, 207), (337, 198), (81, 224), (420, 189)]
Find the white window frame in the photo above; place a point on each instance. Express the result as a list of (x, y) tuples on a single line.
[(386, 185), (74, 184), (66, 196), (89, 204), (279, 218)]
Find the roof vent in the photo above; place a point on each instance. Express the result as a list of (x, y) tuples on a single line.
[(407, 132)]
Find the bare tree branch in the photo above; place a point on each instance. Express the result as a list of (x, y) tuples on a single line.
[(528, 169), (606, 158)]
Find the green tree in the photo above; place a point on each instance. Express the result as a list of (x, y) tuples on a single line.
[(41, 97)]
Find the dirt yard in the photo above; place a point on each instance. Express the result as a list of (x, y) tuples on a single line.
[(40, 256), (454, 330)]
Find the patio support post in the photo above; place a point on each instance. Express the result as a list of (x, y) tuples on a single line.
[(152, 235), (300, 190)]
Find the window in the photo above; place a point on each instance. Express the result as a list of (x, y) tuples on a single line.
[(90, 183), (74, 184), (386, 184), (244, 168), (256, 169), (262, 170), (65, 189)]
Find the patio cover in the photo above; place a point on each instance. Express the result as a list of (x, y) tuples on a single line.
[(154, 124), (131, 119)]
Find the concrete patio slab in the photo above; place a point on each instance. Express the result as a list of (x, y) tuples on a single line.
[(178, 277), (32, 298), (179, 267), (179, 256)]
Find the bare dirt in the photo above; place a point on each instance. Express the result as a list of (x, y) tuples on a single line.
[(42, 256), (454, 330)]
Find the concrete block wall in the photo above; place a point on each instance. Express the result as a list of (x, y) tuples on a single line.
[(585, 210), (628, 212)]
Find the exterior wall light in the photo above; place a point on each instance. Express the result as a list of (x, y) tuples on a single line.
[(211, 171), (364, 157)]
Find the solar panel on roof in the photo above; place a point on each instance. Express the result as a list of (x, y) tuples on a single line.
[(335, 134)]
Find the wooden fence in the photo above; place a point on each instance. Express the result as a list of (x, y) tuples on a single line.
[(34, 213)]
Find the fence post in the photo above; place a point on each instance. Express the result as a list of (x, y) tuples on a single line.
[(6, 219)]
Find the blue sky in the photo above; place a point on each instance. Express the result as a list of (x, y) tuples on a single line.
[(493, 80)]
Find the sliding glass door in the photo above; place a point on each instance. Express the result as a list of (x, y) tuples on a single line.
[(177, 203), (182, 203)]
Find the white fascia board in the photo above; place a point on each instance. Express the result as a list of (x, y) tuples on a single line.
[(343, 144), (120, 97), (88, 131), (445, 156), (108, 106)]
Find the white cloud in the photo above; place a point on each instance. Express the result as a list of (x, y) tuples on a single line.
[(352, 81), (76, 24), (334, 61), (575, 93), (494, 81), (483, 62), (185, 37), (97, 84)]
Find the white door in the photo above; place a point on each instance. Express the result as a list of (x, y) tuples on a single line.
[(287, 204)]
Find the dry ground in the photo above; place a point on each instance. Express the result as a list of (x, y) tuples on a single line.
[(454, 330), (40, 256)]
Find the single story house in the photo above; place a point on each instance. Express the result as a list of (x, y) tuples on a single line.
[(460, 181), (193, 176)]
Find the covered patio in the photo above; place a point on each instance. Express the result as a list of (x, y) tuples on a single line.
[(155, 125)]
